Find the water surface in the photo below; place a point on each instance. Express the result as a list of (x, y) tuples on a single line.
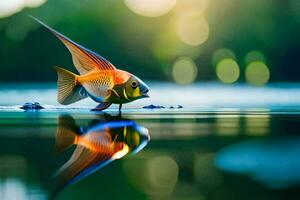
[(191, 155), (238, 150)]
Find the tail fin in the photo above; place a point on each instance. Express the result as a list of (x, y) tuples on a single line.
[(66, 133), (68, 87)]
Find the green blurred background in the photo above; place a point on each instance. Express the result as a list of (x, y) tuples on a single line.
[(182, 41)]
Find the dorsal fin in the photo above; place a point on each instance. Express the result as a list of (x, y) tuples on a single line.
[(84, 59)]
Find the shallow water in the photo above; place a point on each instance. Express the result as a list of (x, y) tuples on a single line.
[(246, 147), (191, 155)]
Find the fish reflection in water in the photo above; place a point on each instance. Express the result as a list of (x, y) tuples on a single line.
[(96, 146)]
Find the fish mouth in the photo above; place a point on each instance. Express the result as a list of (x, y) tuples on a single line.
[(145, 95), (145, 92)]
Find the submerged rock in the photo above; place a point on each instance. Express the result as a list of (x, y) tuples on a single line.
[(153, 107), (32, 106), (178, 106)]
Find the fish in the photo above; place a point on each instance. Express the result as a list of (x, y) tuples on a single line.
[(98, 78), (97, 145)]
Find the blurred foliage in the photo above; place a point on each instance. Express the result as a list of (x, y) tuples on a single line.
[(149, 46)]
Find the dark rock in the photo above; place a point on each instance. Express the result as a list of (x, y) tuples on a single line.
[(179, 106), (153, 107), (32, 106)]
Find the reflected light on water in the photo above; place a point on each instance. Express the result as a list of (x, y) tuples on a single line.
[(150, 8), (12, 162), (12, 188), (192, 28), (227, 126), (154, 175), (257, 73), (228, 70), (163, 171), (257, 124), (10, 7), (17, 189), (14, 180), (273, 162), (184, 70), (187, 129)]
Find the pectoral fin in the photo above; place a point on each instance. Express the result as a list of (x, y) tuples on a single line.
[(112, 96), (101, 106)]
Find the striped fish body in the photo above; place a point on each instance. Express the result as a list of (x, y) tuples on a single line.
[(98, 84), (99, 142)]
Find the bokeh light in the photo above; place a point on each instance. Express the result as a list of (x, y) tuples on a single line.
[(163, 171), (257, 73), (191, 5), (221, 54), (167, 46), (228, 70), (184, 70), (10, 7), (192, 28), (254, 56), (33, 3), (150, 8), (153, 175)]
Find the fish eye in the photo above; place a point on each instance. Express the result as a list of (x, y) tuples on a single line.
[(134, 84)]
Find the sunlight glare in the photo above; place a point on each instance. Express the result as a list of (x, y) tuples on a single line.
[(184, 70), (34, 3), (228, 70), (192, 28), (257, 73), (191, 5), (10, 7), (150, 8)]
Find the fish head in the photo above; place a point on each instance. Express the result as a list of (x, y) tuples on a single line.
[(136, 89), (137, 138)]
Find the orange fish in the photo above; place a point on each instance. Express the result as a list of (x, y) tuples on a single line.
[(97, 145), (98, 79)]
